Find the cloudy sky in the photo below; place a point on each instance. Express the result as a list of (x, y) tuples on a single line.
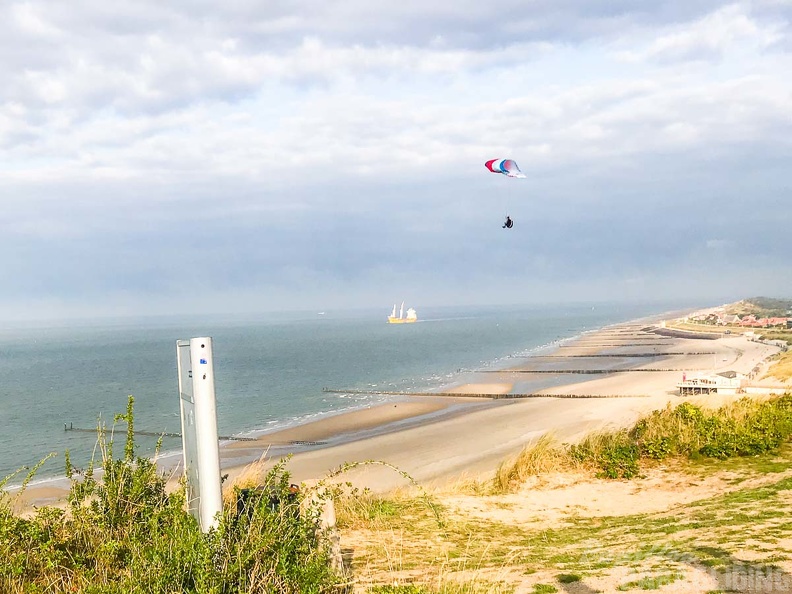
[(158, 157)]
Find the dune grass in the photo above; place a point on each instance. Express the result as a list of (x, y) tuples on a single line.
[(746, 427), (781, 369), (540, 457), (126, 534), (397, 536), (771, 334), (659, 548)]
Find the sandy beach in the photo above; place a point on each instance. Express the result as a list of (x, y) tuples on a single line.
[(623, 371), (480, 434)]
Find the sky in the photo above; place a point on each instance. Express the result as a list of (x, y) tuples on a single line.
[(246, 156)]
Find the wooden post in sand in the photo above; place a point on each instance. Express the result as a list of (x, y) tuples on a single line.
[(321, 500)]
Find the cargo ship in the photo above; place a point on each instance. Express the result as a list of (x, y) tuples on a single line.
[(411, 316)]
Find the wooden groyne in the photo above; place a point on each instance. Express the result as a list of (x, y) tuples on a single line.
[(622, 338), (71, 427), (611, 345), (579, 371), (479, 394), (624, 356)]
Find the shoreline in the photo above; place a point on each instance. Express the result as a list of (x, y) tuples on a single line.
[(343, 428), (58, 483), (472, 440), (438, 439), (350, 426)]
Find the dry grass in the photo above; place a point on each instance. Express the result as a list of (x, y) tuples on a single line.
[(709, 328), (703, 543), (781, 369), (251, 476), (543, 456), (785, 335)]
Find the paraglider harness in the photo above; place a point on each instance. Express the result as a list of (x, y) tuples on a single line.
[(509, 223)]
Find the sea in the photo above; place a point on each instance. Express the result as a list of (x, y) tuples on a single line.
[(270, 369)]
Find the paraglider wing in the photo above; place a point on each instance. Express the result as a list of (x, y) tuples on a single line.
[(507, 167), (492, 166)]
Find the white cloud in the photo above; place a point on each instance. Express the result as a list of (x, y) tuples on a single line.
[(731, 28), (28, 17)]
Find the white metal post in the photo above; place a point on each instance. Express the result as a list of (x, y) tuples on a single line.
[(199, 430)]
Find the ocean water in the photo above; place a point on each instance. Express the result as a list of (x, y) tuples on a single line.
[(270, 370)]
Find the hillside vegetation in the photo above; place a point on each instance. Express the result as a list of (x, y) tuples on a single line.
[(126, 535), (746, 427), (725, 488), (781, 369), (732, 534), (761, 307), (723, 483)]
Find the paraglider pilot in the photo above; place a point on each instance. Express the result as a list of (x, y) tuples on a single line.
[(509, 223)]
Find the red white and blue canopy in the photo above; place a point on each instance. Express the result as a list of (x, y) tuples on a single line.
[(505, 166)]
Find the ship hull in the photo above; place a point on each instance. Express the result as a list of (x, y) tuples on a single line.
[(392, 320)]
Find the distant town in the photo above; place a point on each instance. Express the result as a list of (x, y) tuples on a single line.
[(721, 318), (757, 312), (759, 319)]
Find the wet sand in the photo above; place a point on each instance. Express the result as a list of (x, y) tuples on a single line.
[(335, 430), (336, 426)]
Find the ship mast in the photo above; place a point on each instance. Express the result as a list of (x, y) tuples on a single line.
[(401, 311)]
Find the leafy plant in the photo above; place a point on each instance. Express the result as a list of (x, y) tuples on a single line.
[(613, 453), (123, 533)]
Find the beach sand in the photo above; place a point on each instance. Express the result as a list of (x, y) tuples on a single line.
[(352, 422), (436, 439), (497, 388)]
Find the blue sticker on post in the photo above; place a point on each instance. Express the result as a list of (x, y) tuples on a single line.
[(203, 361)]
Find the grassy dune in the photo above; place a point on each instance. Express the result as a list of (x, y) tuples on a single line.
[(399, 542), (761, 307), (497, 540), (746, 427), (781, 369)]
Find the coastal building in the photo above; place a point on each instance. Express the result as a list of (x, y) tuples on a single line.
[(727, 320), (725, 382), (752, 321)]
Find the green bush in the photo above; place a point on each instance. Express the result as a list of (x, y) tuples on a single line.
[(125, 534), (744, 428), (615, 454)]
